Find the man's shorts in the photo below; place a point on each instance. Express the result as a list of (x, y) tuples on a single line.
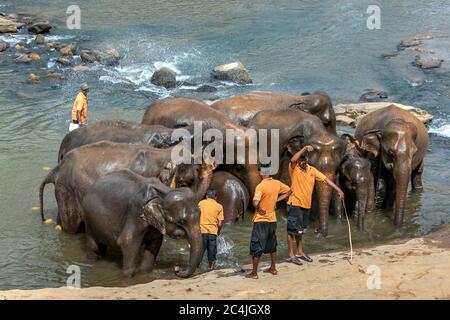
[(264, 238), (298, 220), (210, 245)]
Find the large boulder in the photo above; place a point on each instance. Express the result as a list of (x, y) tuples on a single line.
[(9, 24), (40, 28), (350, 114), (164, 77), (4, 46), (234, 72)]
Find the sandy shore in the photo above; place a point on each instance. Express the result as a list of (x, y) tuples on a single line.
[(410, 269)]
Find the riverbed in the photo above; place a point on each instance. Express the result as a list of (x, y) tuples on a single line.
[(289, 47)]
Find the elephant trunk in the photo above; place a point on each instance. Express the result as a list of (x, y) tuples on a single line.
[(362, 194), (323, 194), (402, 172), (195, 243)]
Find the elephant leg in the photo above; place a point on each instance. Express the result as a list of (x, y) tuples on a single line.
[(416, 178), (150, 253), (130, 243), (371, 198), (94, 248), (350, 202), (336, 206)]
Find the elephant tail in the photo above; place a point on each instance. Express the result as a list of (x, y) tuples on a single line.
[(50, 178)]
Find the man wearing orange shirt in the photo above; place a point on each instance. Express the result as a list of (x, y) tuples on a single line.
[(79, 109), (211, 219), (264, 238), (303, 177)]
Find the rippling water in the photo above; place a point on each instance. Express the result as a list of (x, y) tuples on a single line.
[(289, 46)]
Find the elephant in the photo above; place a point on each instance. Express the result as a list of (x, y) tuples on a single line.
[(232, 194), (398, 141), (297, 129), (182, 112), (126, 211), (120, 131), (356, 180), (82, 166), (241, 109)]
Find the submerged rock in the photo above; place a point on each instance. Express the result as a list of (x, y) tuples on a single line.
[(19, 47), (164, 77), (24, 58), (40, 28), (234, 72), (4, 46), (55, 75), (33, 78), (34, 56), (424, 63), (349, 114), (64, 61), (373, 96), (206, 88), (81, 68)]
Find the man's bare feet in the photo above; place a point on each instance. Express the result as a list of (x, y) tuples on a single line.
[(272, 271), (252, 275)]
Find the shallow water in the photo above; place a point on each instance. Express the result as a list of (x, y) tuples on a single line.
[(288, 47)]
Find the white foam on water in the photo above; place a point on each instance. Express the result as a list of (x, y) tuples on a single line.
[(441, 128), (27, 38), (139, 74), (224, 246)]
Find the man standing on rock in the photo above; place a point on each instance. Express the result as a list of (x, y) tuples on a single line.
[(79, 109), (264, 237), (303, 177)]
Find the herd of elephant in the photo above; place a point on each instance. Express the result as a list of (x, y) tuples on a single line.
[(116, 179)]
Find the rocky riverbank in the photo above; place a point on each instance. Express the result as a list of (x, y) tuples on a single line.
[(409, 269)]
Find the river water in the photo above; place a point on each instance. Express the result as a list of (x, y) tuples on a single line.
[(288, 46)]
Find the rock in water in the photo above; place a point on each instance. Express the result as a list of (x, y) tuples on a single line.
[(63, 61), (373, 96), (234, 72), (164, 77), (24, 58), (422, 63), (33, 78), (54, 75), (4, 46), (206, 88), (34, 56), (108, 58), (68, 50), (40, 28), (9, 24), (40, 39)]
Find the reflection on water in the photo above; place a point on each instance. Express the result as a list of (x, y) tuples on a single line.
[(288, 46)]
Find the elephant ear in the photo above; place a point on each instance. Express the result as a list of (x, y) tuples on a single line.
[(349, 139), (152, 214), (147, 202), (295, 144), (371, 142)]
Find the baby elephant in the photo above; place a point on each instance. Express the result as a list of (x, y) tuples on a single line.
[(356, 180), (132, 213), (232, 194)]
